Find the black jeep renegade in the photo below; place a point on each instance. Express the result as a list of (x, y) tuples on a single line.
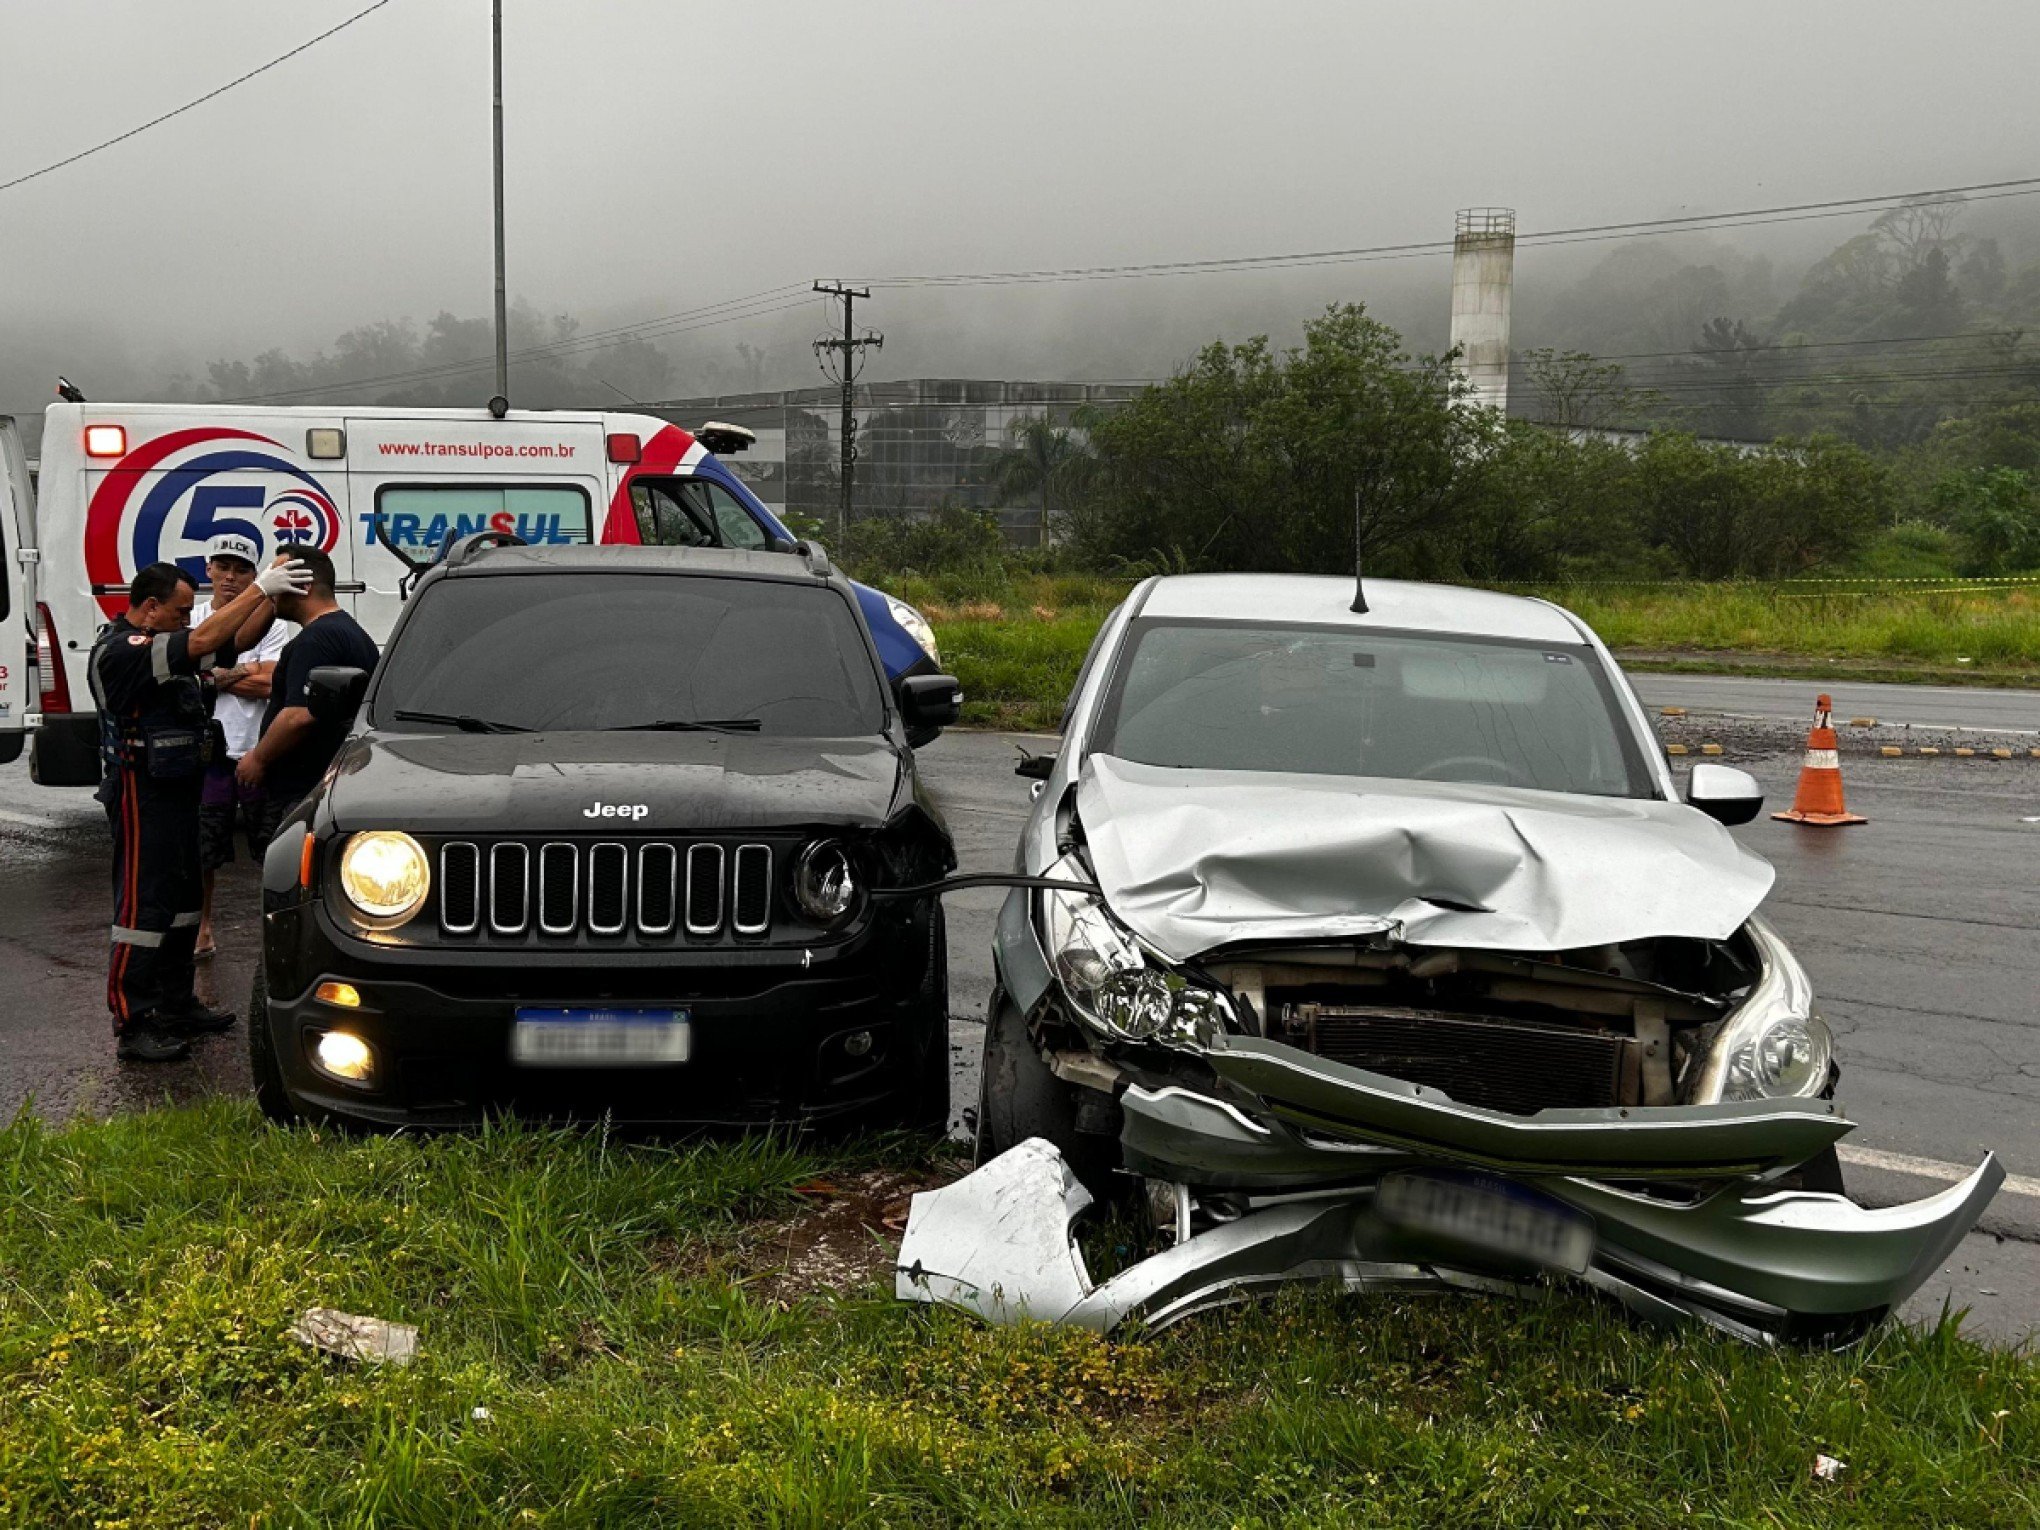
[(618, 833)]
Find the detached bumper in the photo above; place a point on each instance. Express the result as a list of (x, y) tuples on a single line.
[(1761, 1264)]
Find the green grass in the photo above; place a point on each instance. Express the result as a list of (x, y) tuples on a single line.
[(1017, 644), (151, 1265)]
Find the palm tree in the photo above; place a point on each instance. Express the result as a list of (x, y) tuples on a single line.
[(1043, 457)]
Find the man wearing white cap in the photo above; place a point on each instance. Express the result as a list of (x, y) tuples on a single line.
[(242, 693)]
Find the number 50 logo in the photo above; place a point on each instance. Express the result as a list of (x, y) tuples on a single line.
[(164, 500)]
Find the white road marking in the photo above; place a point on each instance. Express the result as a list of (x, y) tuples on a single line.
[(1930, 1168)]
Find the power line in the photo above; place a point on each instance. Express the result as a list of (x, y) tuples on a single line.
[(210, 95), (1687, 223)]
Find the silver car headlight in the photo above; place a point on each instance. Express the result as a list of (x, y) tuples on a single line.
[(1773, 1047), (915, 625), (1107, 980)]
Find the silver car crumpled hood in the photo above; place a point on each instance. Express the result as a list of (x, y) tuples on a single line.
[(1195, 860)]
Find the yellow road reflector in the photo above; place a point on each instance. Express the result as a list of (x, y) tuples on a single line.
[(1891, 751), (1862, 722), (1710, 749), (1671, 711), (1925, 750), (1681, 749), (1964, 754), (2001, 754)]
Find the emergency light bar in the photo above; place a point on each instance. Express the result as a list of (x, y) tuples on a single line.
[(106, 440)]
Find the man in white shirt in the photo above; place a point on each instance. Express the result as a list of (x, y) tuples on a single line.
[(243, 692)]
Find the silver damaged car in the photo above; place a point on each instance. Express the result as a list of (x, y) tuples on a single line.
[(1380, 946)]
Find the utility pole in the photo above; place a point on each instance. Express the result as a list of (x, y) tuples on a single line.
[(502, 302), (842, 360)]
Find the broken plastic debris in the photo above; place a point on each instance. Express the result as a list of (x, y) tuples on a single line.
[(373, 1341), (480, 1415), (1827, 1468)]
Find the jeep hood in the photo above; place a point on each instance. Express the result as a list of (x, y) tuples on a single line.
[(1193, 860), (546, 782)]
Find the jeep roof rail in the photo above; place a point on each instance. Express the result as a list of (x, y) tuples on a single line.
[(464, 549), (817, 560)]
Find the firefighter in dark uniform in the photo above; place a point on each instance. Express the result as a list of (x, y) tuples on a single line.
[(155, 728)]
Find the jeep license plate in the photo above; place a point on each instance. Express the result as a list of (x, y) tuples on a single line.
[(600, 1038), (1488, 1213)]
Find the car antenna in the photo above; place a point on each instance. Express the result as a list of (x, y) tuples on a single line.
[(1359, 580), (68, 391)]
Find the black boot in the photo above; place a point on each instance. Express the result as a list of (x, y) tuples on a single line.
[(194, 1019), (146, 1041)]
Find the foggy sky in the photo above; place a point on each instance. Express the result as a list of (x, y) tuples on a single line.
[(664, 155)]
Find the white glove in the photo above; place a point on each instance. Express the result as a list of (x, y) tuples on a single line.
[(287, 578)]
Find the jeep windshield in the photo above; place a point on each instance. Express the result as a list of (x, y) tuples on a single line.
[(1346, 701), (592, 652)]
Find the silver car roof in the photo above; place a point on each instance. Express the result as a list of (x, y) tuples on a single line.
[(1391, 603)]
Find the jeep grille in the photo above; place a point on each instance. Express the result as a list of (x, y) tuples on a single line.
[(561, 889)]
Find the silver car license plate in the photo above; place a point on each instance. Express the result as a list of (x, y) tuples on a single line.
[(600, 1038), (1487, 1213)]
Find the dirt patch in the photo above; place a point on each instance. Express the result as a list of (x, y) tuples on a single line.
[(844, 1236)]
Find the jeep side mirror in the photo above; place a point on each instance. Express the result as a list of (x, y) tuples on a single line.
[(1725, 794), (333, 692), (1034, 767), (930, 701)]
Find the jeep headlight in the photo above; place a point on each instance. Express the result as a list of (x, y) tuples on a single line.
[(1107, 981), (825, 883), (915, 625), (1773, 1047), (385, 874)]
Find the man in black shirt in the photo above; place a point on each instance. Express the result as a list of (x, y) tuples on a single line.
[(147, 672), (296, 747)]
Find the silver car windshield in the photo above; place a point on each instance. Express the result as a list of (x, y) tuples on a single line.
[(1320, 700)]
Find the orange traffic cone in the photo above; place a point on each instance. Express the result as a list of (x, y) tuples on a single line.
[(1819, 798)]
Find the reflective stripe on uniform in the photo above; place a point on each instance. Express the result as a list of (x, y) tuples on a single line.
[(1823, 759), (184, 921), (159, 655), (122, 936)]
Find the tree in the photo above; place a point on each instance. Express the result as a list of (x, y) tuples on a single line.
[(1344, 447), (1918, 227), (1576, 391), (1997, 513), (1734, 361), (1042, 458)]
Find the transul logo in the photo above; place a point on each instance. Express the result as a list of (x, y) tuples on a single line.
[(431, 532), (165, 499)]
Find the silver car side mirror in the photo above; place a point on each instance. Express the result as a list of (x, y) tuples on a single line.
[(1725, 794)]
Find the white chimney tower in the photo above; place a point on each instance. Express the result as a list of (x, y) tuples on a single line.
[(1483, 283)]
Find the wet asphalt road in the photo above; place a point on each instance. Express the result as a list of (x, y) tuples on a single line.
[(1933, 706), (1918, 929)]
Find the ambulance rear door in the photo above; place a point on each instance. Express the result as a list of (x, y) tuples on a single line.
[(538, 476), (17, 590)]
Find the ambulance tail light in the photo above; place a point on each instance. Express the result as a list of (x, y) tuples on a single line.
[(106, 440), (49, 664), (624, 446)]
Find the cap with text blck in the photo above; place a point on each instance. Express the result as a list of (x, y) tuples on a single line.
[(229, 545)]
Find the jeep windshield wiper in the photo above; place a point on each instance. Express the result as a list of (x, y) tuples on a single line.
[(461, 721), (692, 725)]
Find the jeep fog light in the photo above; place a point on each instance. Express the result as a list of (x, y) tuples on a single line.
[(345, 1057), (385, 874)]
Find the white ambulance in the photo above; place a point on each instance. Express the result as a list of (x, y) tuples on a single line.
[(122, 486)]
